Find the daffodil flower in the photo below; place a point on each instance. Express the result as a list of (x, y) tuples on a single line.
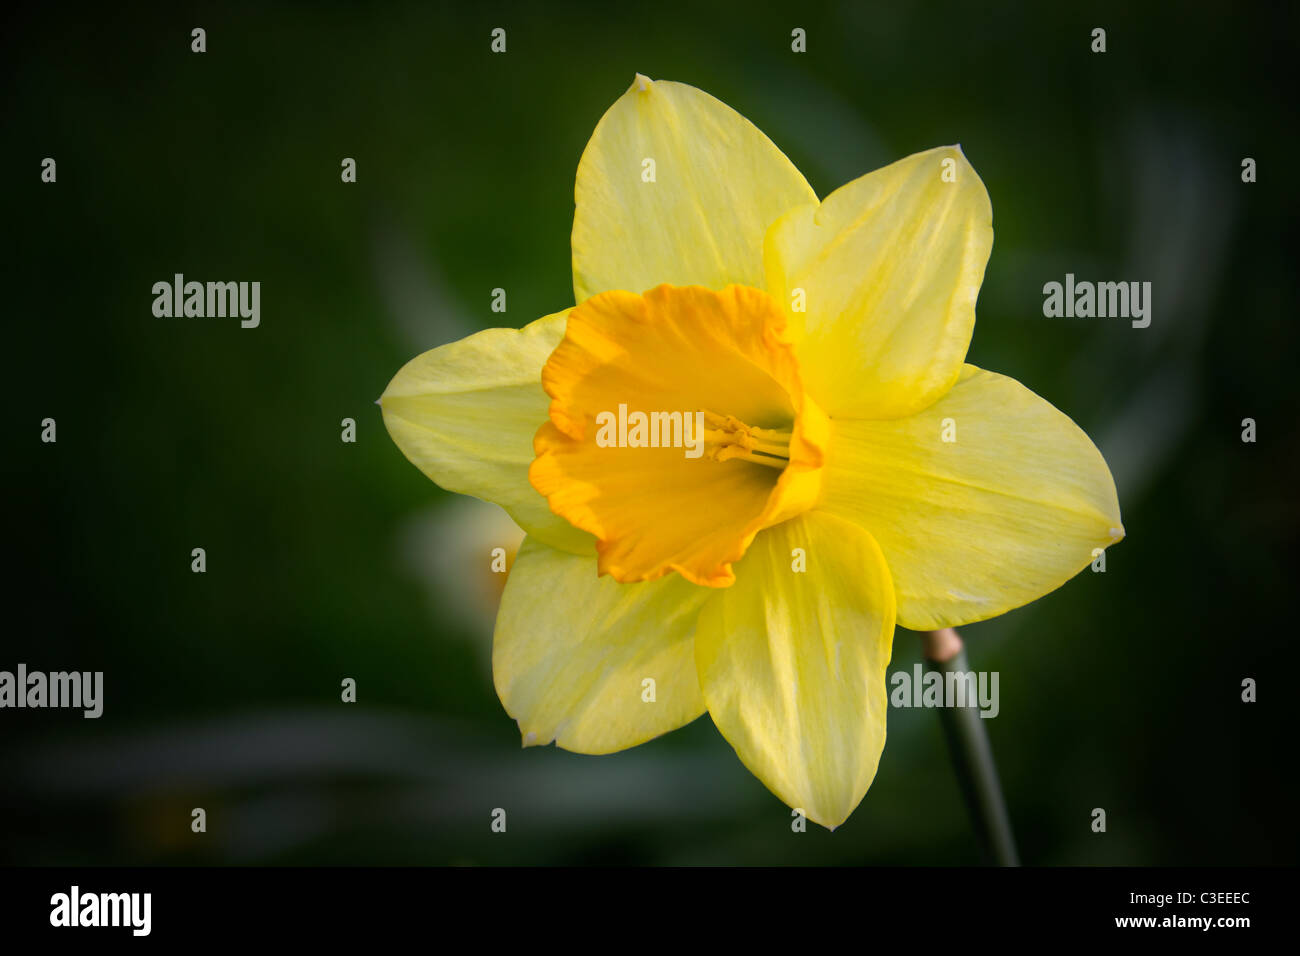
[(854, 471)]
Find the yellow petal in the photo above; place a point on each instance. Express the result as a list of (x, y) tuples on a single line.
[(718, 183), (573, 652), (792, 663), (888, 268), (465, 415), (1008, 511), (713, 359)]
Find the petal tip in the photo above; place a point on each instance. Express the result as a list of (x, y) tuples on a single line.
[(642, 83)]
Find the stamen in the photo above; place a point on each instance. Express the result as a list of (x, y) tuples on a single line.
[(772, 434), (772, 448), (730, 439)]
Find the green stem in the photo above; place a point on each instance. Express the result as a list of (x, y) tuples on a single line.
[(972, 756)]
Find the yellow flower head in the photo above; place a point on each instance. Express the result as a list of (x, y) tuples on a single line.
[(750, 448)]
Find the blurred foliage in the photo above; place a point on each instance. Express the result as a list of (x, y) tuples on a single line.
[(1118, 691)]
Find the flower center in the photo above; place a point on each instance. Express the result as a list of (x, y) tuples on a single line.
[(727, 438), (722, 441)]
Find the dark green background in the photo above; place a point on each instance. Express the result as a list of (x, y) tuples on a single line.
[(1118, 691)]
